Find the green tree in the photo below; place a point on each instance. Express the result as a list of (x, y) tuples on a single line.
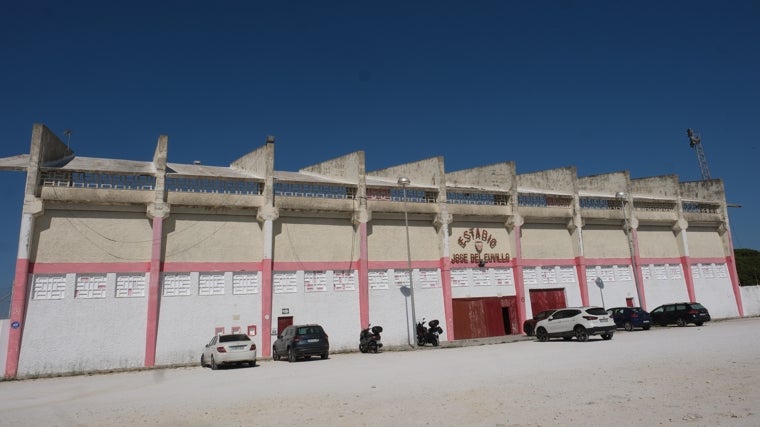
[(748, 266)]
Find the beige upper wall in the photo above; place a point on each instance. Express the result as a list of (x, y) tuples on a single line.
[(704, 242), (387, 241), (315, 240), (546, 241), (67, 236), (657, 242), (212, 238), (603, 241)]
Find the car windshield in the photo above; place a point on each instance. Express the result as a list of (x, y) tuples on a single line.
[(697, 306), (596, 311), (233, 337)]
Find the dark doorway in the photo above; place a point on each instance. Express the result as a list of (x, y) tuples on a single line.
[(505, 318), (283, 322)]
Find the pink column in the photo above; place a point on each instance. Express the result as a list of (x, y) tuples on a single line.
[(519, 283), (731, 262), (580, 266), (154, 292), (637, 270), (448, 305), (363, 277), (266, 306), (18, 300), (688, 277)]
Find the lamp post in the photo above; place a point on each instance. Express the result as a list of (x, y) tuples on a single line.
[(403, 182), (623, 197)]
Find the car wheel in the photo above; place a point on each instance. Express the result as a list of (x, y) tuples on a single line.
[(646, 328), (528, 331), (203, 361), (542, 335), (606, 337), (252, 364), (699, 323), (680, 322), (275, 354), (214, 366), (581, 334), (291, 355), (628, 326), (323, 356)]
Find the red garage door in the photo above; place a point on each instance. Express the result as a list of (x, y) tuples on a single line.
[(483, 317), (546, 299)]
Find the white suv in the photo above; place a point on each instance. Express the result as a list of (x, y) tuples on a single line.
[(578, 322)]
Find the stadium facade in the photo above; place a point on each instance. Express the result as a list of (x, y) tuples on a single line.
[(128, 264)]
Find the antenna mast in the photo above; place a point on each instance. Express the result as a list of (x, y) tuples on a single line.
[(696, 143)]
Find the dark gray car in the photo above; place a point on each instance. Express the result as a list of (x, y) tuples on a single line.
[(301, 341)]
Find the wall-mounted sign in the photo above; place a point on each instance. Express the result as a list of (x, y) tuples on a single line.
[(285, 311), (481, 240), (15, 324)]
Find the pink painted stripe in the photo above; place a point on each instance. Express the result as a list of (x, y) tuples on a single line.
[(580, 264), (688, 278), (448, 304), (363, 277), (18, 314), (266, 307), (519, 280), (154, 293)]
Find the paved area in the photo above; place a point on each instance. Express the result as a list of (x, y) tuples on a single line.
[(692, 376)]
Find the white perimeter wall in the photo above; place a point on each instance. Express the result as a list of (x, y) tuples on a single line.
[(188, 320), (390, 305), (751, 300), (663, 283), (618, 285), (712, 288), (64, 334)]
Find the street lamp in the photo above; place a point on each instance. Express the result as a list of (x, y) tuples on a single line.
[(403, 182), (623, 197)]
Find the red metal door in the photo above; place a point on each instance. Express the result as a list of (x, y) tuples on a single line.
[(283, 322), (546, 299)]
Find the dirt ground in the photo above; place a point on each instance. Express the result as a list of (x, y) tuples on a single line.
[(692, 376)]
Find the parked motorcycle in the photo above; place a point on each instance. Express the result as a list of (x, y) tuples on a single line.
[(428, 334), (369, 339)]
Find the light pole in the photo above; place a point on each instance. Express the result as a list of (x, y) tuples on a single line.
[(623, 197), (403, 182)]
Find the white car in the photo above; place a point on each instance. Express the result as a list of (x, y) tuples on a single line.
[(578, 322), (229, 349)]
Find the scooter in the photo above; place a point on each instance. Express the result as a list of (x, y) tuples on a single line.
[(369, 339), (428, 334)]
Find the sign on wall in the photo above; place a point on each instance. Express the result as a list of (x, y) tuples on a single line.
[(211, 284), (429, 278), (90, 286)]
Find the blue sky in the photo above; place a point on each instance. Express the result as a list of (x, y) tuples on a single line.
[(604, 86)]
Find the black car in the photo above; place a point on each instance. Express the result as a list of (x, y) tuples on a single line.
[(301, 341), (681, 314), (529, 326), (629, 318)]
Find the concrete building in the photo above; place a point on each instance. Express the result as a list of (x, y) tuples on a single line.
[(140, 263)]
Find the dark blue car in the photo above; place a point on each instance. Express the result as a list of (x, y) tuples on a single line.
[(629, 318)]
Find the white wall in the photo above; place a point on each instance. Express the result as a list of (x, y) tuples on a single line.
[(751, 300), (70, 335)]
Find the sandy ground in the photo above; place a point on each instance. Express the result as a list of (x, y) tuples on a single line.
[(692, 376)]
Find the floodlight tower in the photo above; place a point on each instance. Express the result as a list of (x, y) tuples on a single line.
[(696, 143)]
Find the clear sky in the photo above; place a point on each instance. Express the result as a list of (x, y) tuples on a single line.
[(604, 86)]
